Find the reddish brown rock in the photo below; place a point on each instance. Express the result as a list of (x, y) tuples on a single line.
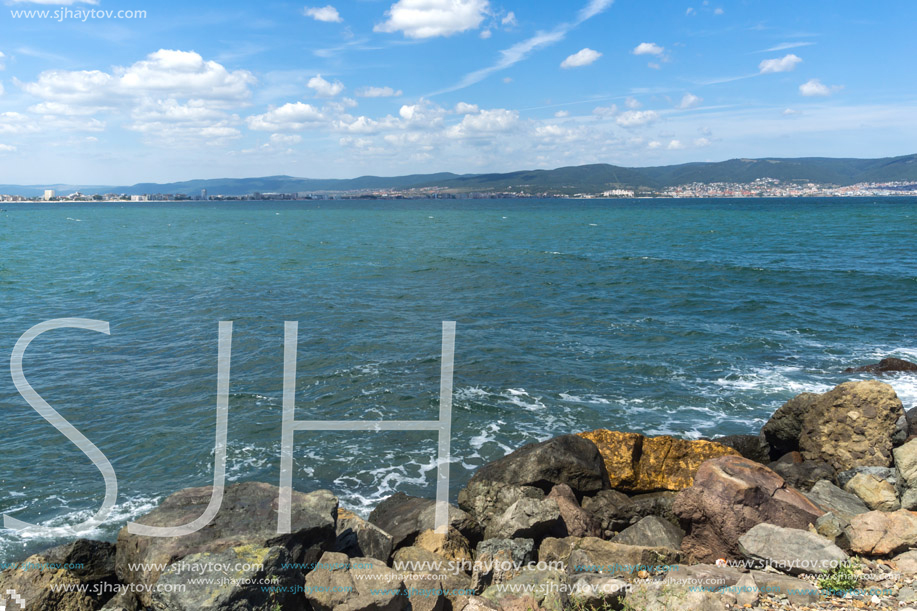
[(648, 464), (576, 521), (878, 533), (731, 495)]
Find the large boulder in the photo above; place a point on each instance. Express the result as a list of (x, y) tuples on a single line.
[(886, 365), (852, 425), (651, 531), (527, 519), (404, 517), (431, 580), (354, 584), (568, 459), (877, 493), (532, 588), (485, 499), (887, 473), (499, 560), (906, 473), (452, 546), (592, 555), (836, 501), (647, 464), (731, 495), (783, 429), (247, 517), (597, 592), (790, 550), (231, 579), (43, 586), (879, 533), (361, 539), (606, 507), (575, 521)]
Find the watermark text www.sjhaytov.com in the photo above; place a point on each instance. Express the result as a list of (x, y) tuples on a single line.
[(64, 13)]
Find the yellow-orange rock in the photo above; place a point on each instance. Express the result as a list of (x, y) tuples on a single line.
[(648, 464)]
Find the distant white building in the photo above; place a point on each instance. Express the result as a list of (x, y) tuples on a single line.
[(49, 195), (203, 193), (619, 193), (139, 198)]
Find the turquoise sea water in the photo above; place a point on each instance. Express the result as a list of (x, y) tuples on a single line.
[(692, 317)]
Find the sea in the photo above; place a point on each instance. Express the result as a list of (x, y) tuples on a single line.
[(693, 318)]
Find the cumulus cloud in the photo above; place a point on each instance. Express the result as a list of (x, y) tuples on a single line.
[(2, 58), (378, 92), (634, 118), (485, 122), (323, 88), (583, 57), (718, 11), (675, 145), (654, 144), (562, 114), (701, 142), (328, 14), (485, 34), (814, 87), (7, 148), (632, 103), (294, 116), (430, 18), (689, 100), (463, 108), (509, 19), (782, 64), (648, 48)]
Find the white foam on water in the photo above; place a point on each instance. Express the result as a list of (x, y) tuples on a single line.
[(61, 528), (772, 379)]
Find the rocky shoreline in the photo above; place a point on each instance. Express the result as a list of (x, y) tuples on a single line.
[(815, 512)]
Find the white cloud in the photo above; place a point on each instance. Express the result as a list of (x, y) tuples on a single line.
[(294, 116), (583, 57), (718, 11), (632, 103), (2, 57), (814, 87), (328, 14), (782, 64), (655, 144), (485, 34), (689, 12), (648, 48), (675, 145), (605, 111), (323, 88), (654, 65), (689, 100), (285, 139), (69, 110), (429, 18), (702, 142), (485, 122), (562, 114), (165, 72), (507, 79), (509, 19), (633, 118), (7, 148), (783, 46), (463, 108), (378, 92), (789, 112), (74, 87)]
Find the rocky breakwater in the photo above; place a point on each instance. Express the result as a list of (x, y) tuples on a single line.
[(598, 520)]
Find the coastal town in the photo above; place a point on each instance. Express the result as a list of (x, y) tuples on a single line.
[(762, 187)]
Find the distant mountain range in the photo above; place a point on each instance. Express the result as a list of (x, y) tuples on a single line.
[(575, 179)]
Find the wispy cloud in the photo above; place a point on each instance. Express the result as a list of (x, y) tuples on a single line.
[(521, 50), (783, 46)]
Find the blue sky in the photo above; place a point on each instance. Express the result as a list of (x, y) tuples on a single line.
[(214, 89)]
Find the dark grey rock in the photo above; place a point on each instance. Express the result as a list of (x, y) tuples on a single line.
[(404, 517), (886, 473), (783, 429), (841, 503), (886, 365), (526, 518), (361, 539), (752, 447)]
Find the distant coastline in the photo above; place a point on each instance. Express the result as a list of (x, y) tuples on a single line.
[(768, 177)]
